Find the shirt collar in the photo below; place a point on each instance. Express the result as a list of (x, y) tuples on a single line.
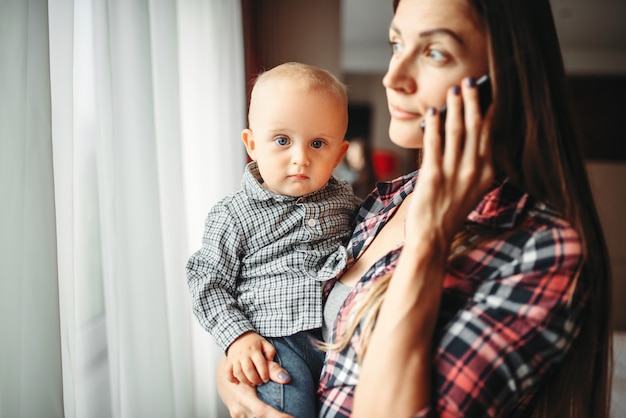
[(501, 206), (252, 185)]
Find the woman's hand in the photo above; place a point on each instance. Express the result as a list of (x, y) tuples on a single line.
[(242, 400), (452, 180)]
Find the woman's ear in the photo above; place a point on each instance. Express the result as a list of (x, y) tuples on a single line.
[(248, 140)]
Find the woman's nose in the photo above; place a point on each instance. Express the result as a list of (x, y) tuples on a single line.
[(400, 76)]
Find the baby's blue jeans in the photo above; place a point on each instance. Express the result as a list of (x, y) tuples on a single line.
[(296, 354)]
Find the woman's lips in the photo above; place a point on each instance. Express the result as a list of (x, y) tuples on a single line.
[(400, 114)]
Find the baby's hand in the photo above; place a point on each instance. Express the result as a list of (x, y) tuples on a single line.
[(247, 359)]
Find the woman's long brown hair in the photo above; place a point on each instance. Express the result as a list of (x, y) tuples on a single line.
[(536, 144)]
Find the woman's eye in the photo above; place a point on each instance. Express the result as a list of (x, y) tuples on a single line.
[(395, 47), (436, 55), (317, 143), (282, 140)]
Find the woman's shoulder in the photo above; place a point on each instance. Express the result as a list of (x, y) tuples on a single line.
[(545, 224), (507, 207), (523, 234), (549, 241)]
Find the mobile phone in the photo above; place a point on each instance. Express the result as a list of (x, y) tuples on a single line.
[(484, 99)]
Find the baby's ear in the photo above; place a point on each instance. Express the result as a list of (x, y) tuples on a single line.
[(247, 136), (342, 152)]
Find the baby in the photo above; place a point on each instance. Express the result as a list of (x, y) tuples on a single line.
[(267, 247)]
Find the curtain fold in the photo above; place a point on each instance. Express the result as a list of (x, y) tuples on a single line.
[(120, 128), (133, 274), (30, 352), (212, 91)]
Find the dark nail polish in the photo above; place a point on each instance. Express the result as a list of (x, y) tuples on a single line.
[(456, 90), (471, 82), (432, 111)]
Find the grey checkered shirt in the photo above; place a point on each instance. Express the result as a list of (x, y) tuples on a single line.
[(264, 258)]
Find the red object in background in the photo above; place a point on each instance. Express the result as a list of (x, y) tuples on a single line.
[(385, 164)]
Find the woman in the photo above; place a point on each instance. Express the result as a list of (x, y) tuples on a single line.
[(495, 300)]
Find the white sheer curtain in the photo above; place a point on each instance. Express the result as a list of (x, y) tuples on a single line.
[(119, 127)]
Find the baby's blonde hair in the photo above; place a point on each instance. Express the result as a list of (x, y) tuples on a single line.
[(308, 77)]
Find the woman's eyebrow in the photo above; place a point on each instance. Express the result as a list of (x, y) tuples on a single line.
[(430, 33), (441, 31), (394, 28)]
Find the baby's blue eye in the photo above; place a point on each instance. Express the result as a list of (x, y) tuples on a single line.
[(317, 144), (282, 140)]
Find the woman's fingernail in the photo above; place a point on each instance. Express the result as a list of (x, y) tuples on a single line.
[(432, 111), (471, 82), (283, 375), (456, 90)]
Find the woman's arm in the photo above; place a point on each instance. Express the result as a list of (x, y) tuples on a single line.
[(395, 377)]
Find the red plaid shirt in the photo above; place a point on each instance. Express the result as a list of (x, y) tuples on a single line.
[(510, 307)]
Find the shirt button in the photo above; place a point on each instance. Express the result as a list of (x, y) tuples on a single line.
[(312, 223)]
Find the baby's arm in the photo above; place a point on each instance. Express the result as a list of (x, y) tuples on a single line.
[(247, 358)]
